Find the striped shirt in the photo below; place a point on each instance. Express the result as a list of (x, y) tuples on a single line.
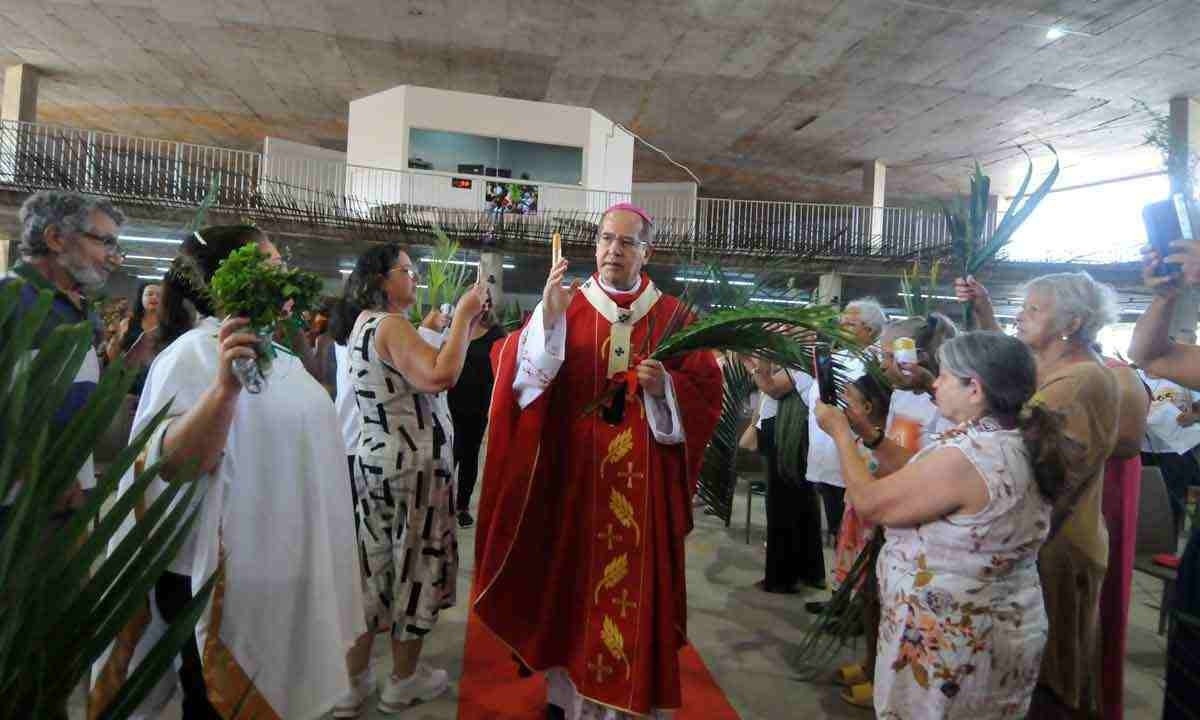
[(63, 311)]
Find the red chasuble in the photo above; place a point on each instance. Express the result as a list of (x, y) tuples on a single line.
[(579, 551)]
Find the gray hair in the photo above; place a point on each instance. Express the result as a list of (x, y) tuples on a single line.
[(69, 210), (1003, 365), (871, 313), (1078, 296)]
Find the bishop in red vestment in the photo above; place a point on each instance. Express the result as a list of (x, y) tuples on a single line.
[(582, 520)]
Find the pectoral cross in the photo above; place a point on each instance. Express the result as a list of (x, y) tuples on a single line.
[(602, 671), (609, 536), (624, 602), (628, 475)]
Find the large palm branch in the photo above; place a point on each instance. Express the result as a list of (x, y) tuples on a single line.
[(717, 476), (967, 221), (62, 597)]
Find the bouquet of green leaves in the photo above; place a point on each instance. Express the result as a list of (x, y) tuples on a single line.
[(247, 284)]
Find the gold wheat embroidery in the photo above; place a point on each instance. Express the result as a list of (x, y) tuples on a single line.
[(614, 573), (615, 642), (620, 446), (623, 509)]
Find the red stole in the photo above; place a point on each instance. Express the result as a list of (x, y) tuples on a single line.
[(579, 550)]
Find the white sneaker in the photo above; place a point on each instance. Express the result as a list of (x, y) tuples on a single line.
[(361, 688), (422, 686)]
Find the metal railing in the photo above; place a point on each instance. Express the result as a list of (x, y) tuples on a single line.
[(331, 193)]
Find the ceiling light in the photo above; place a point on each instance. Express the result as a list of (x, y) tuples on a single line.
[(145, 257), (150, 277), (143, 238), (784, 301), (934, 297), (711, 281), (345, 271), (1055, 33), (467, 263)]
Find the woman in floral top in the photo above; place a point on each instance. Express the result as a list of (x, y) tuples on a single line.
[(963, 625)]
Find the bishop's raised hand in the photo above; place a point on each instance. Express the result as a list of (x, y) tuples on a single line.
[(556, 298)]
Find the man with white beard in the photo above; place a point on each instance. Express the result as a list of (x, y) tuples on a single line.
[(69, 247)]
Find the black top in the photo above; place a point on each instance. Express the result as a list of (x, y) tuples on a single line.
[(470, 396)]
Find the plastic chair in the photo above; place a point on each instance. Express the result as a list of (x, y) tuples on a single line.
[(1156, 536)]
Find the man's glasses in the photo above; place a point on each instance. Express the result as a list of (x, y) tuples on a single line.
[(108, 242), (606, 241)]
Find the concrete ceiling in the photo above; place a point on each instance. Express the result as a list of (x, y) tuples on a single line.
[(761, 98)]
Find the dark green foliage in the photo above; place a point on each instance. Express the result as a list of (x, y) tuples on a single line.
[(65, 592), (246, 284), (967, 221), (717, 476)]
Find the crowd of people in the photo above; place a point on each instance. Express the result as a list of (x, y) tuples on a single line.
[(998, 475)]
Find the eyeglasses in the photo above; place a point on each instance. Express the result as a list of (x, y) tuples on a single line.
[(109, 242), (411, 272), (607, 239)]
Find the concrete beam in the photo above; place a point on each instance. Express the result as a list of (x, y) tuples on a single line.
[(829, 289), (20, 93), (1185, 145)]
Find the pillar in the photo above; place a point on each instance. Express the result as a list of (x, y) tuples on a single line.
[(491, 270), (6, 247), (874, 187), (829, 289), (20, 93), (1185, 146)]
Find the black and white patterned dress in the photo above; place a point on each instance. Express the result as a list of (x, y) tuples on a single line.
[(405, 481)]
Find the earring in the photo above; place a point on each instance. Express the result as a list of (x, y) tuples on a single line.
[(1065, 338)]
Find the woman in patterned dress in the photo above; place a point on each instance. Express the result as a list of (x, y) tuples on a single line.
[(963, 625), (404, 473)]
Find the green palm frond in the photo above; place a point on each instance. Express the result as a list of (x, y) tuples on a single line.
[(841, 620), (717, 475), (445, 281), (64, 595), (200, 218), (966, 219), (785, 337)]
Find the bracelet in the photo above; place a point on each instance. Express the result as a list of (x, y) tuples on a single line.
[(877, 441)]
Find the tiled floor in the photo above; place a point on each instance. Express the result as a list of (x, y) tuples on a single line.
[(750, 639)]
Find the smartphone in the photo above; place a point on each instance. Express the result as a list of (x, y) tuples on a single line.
[(823, 372), (1166, 222)]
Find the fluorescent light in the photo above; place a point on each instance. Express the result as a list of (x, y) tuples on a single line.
[(143, 238), (467, 263), (1055, 33), (345, 271), (151, 277), (783, 301), (145, 257), (935, 297), (710, 281)]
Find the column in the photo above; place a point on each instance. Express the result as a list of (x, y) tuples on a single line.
[(20, 93), (19, 103), (829, 289), (874, 186), (6, 247), (491, 269), (1185, 145)]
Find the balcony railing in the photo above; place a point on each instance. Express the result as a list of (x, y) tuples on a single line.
[(337, 194)]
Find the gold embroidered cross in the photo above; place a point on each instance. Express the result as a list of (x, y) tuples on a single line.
[(624, 602), (602, 671), (609, 536), (628, 475)]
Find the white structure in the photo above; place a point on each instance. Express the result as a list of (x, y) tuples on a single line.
[(427, 137)]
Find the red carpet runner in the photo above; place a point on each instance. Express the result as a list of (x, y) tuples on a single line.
[(491, 690)]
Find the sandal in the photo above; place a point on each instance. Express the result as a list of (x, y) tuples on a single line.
[(861, 695), (850, 675)]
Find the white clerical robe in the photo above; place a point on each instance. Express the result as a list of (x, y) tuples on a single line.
[(279, 507)]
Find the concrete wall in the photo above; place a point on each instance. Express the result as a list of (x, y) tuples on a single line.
[(379, 138), (608, 158), (308, 174)]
